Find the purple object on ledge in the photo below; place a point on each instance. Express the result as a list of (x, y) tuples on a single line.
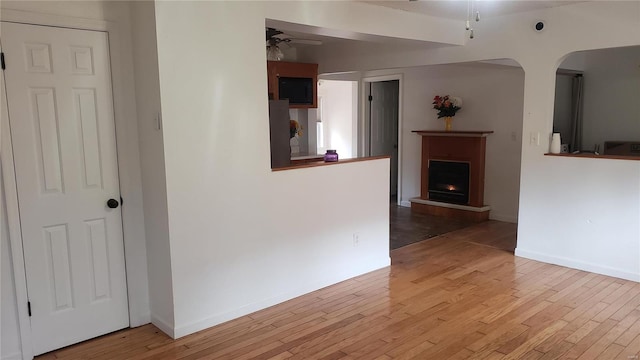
[(331, 156)]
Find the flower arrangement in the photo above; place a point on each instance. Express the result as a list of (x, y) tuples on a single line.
[(447, 106), (294, 129)]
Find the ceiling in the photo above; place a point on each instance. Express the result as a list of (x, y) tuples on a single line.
[(329, 36), (457, 9), (450, 9)]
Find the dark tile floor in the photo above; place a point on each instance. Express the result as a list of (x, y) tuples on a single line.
[(496, 234), (408, 227)]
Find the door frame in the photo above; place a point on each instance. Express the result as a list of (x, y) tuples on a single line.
[(364, 123), (129, 176)]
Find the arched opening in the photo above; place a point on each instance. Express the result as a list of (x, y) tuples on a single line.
[(596, 108)]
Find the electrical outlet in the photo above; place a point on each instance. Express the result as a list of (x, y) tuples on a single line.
[(356, 239)]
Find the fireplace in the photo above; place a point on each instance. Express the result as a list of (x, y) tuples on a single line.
[(452, 175), (449, 181)]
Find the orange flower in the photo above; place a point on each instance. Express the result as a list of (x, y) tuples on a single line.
[(294, 128)]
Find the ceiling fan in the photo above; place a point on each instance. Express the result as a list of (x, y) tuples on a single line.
[(276, 37)]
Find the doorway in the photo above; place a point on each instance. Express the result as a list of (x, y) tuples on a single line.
[(60, 112), (336, 117), (383, 115)]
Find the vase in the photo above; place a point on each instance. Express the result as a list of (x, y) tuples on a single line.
[(331, 156), (447, 123), (294, 144), (555, 143)]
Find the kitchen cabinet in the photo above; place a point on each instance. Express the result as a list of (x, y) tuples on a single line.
[(296, 82)]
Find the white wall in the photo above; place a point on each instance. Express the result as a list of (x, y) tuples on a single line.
[(576, 237), (339, 16), (115, 17), (219, 259), (154, 187), (339, 117), (611, 88), (240, 238), (607, 240)]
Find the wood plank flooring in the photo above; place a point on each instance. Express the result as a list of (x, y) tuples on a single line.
[(453, 297)]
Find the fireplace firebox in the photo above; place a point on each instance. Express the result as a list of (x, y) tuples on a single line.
[(449, 181)]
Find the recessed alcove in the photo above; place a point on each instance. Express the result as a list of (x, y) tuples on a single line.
[(596, 109)]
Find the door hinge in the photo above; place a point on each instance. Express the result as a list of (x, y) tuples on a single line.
[(370, 98), (2, 61), (29, 307), (121, 201)]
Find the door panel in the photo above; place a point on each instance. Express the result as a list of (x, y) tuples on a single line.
[(46, 139), (56, 242), (85, 112), (62, 126), (384, 125)]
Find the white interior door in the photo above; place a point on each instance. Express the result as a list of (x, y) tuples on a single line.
[(384, 102), (62, 127)]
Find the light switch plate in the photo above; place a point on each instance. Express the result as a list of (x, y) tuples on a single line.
[(534, 138)]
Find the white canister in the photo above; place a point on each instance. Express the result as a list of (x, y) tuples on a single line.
[(555, 143)]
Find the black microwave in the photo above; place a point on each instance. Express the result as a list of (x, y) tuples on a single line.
[(298, 90)]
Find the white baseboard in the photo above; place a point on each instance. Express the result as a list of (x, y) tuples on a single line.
[(141, 319), (14, 356), (405, 203), (450, 206), (578, 264), (504, 217), (195, 326), (163, 325)]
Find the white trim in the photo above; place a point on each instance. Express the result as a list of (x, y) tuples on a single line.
[(577, 264), (14, 356), (163, 325), (126, 138), (405, 203), (505, 218), (355, 113), (130, 178), (389, 77), (363, 126), (15, 232), (450, 206), (365, 147), (25, 17), (452, 134)]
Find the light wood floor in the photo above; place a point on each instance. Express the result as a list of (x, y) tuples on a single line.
[(453, 297)]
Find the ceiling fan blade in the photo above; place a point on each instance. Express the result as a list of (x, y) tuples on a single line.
[(271, 32), (275, 37), (305, 41)]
